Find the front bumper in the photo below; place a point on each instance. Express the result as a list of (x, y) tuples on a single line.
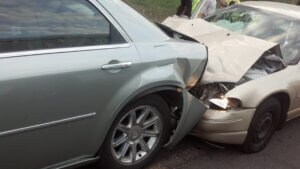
[(229, 127)]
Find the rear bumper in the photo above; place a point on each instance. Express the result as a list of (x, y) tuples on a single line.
[(229, 127)]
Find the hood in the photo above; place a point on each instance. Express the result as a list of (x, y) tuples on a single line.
[(231, 54)]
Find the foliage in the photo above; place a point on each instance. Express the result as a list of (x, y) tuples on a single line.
[(155, 10)]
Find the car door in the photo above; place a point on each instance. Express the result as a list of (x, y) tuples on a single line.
[(61, 63)]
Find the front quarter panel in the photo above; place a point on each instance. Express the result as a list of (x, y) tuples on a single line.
[(181, 63), (174, 60), (161, 65), (254, 92)]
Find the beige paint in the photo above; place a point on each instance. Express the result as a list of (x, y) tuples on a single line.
[(231, 126), (230, 57), (281, 8), (231, 54)]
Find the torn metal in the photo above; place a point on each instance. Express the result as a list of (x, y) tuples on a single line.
[(209, 91), (266, 65), (233, 58)]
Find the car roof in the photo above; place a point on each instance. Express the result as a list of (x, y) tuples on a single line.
[(281, 8)]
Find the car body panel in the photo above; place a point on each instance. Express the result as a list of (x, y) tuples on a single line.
[(43, 89), (233, 117), (268, 86), (188, 69), (224, 126), (225, 63), (192, 113), (58, 104), (231, 126), (159, 73)]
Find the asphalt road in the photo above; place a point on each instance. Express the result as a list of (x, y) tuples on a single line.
[(283, 152)]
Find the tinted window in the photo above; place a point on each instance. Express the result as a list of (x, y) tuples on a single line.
[(48, 24), (263, 25)]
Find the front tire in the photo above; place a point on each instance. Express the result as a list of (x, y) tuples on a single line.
[(137, 134), (263, 126)]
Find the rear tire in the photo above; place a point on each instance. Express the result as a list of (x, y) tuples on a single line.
[(263, 126), (136, 142)]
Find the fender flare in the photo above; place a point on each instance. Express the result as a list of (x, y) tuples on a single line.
[(149, 89)]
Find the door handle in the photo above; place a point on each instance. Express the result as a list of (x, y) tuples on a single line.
[(116, 66)]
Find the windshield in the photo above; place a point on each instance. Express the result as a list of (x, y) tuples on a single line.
[(263, 25)]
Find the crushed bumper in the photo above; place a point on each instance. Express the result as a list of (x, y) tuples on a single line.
[(229, 127), (192, 112)]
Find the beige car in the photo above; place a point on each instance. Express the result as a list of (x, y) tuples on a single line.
[(251, 84)]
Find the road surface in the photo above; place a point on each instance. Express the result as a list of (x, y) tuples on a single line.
[(283, 152)]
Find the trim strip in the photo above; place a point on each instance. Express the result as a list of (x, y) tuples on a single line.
[(112, 21), (78, 163), (62, 50), (49, 124)]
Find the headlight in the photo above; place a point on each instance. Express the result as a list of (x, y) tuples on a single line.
[(213, 95), (226, 103)]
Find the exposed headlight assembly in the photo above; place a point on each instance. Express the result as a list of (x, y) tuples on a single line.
[(213, 95), (225, 103)]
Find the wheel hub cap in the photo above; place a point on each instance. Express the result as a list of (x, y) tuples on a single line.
[(134, 133)]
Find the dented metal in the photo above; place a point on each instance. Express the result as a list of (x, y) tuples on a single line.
[(266, 65), (231, 54), (244, 71)]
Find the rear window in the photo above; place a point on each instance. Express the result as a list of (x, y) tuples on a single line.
[(49, 24)]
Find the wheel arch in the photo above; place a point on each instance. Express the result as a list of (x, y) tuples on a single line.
[(167, 92), (171, 94), (285, 102)]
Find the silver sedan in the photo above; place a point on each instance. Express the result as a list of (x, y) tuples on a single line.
[(87, 79)]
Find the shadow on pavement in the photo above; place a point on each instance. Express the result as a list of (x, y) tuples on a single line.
[(283, 152)]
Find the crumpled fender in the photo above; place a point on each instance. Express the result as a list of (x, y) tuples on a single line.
[(192, 112)]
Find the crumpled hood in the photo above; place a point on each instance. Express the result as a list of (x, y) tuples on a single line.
[(231, 54)]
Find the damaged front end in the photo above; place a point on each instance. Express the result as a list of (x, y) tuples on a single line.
[(233, 60), (214, 94), (269, 63)]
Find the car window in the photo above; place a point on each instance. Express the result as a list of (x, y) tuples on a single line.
[(262, 25), (48, 24), (290, 45), (251, 23)]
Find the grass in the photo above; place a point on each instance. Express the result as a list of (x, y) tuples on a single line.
[(158, 10)]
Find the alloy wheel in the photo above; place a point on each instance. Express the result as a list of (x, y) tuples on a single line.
[(136, 135)]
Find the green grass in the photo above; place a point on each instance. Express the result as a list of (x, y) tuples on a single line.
[(158, 10)]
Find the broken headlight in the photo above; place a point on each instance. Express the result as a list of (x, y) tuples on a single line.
[(225, 103), (213, 95)]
